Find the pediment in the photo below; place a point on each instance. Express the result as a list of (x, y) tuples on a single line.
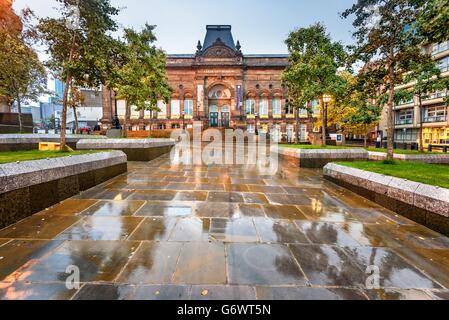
[(219, 51)]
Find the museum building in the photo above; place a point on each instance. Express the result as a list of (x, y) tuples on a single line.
[(222, 87)]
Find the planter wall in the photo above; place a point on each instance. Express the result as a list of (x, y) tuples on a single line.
[(425, 204), (135, 149), (318, 158), (32, 186)]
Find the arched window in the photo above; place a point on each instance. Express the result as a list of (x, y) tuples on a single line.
[(219, 92)]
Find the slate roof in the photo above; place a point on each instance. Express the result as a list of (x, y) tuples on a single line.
[(222, 32)]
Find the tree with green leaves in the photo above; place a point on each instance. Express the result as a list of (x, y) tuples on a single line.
[(142, 79), (388, 43), (76, 99), (22, 76), (433, 19), (77, 43), (312, 72)]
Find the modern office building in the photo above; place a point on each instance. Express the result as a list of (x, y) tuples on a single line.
[(434, 113), (222, 87)]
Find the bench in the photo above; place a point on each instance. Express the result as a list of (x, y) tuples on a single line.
[(49, 146), (443, 148)]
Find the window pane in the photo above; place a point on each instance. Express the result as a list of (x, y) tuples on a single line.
[(277, 107), (162, 106), (250, 106), (263, 108), (175, 107)]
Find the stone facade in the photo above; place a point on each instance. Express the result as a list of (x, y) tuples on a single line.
[(222, 87), (425, 204)]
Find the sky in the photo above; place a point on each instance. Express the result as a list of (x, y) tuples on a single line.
[(260, 25)]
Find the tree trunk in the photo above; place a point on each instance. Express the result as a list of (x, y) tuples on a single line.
[(365, 141), (297, 126), (76, 120), (19, 110), (421, 126), (64, 112), (324, 121), (65, 98), (125, 122), (151, 122), (390, 124)]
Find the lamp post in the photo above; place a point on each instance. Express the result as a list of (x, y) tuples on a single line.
[(115, 120), (326, 99), (183, 115)]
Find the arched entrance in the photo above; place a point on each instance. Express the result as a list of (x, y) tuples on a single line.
[(219, 97)]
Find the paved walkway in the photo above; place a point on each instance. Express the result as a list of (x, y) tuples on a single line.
[(163, 232)]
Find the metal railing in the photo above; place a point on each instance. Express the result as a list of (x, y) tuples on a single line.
[(435, 119), (404, 122)]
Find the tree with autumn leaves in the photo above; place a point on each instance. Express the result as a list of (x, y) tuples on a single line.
[(22, 76)]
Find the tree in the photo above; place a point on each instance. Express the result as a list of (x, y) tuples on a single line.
[(433, 19), (76, 99), (142, 79), (77, 44), (388, 42), (312, 73), (22, 76), (353, 111)]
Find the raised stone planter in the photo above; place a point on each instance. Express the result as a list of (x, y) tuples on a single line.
[(32, 186), (425, 158), (425, 204), (135, 149), (318, 158), (23, 142)]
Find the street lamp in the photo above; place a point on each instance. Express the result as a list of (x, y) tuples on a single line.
[(183, 115), (116, 120), (326, 99)]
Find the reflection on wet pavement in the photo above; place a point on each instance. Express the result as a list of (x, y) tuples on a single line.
[(221, 232)]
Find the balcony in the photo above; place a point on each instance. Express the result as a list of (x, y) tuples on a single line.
[(404, 122), (435, 119)]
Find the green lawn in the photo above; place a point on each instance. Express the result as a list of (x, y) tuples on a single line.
[(398, 151), (433, 174), (7, 157), (312, 147)]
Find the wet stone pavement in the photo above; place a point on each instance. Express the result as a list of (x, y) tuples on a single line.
[(198, 232)]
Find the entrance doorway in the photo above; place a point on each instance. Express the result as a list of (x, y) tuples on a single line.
[(225, 115), (213, 116)]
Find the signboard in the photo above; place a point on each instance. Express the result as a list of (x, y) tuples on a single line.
[(239, 98), (200, 97)]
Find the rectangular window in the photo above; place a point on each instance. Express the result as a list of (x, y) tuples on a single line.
[(188, 107), (277, 108), (405, 101), (315, 107), (443, 64), (121, 105), (175, 108), (135, 114), (289, 110), (162, 106), (263, 108), (435, 114), (436, 95), (303, 111), (441, 47), (250, 106), (404, 117)]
